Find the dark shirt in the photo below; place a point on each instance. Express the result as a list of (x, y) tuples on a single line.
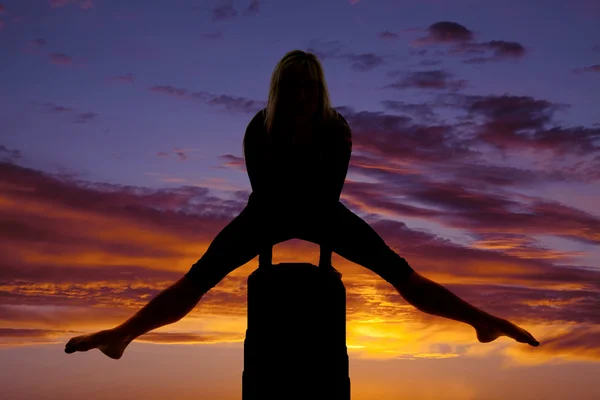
[(284, 175)]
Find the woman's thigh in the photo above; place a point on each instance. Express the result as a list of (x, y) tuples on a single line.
[(237, 243), (354, 239)]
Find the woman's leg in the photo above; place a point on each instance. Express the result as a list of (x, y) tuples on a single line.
[(239, 242), (355, 240)]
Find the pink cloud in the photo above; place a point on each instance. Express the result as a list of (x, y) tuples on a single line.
[(231, 161)]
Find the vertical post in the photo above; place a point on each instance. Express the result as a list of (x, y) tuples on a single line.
[(295, 345)]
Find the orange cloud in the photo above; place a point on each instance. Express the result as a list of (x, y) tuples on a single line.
[(81, 256)]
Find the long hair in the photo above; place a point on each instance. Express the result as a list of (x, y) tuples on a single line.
[(292, 59)]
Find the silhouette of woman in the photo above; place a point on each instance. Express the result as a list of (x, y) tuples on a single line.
[(297, 152)]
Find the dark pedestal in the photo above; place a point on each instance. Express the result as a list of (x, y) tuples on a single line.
[(295, 345)]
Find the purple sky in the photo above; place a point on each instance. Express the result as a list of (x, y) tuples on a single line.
[(476, 155)]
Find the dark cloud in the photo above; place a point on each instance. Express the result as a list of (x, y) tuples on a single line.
[(212, 35), (447, 32), (166, 208), (182, 154), (60, 3), (500, 50), (83, 118), (430, 63), (38, 42), (170, 90), (79, 117), (334, 50), (387, 35), (365, 61), (399, 138), (478, 209), (60, 59), (227, 102), (422, 110), (224, 11), (591, 68), (433, 79), (125, 78), (461, 42), (9, 155), (253, 7), (233, 103), (519, 122), (325, 50), (52, 107)]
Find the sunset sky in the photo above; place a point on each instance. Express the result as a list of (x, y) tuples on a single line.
[(476, 156)]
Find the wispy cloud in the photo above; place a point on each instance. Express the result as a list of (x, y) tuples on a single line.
[(591, 68), (9, 155), (227, 102), (363, 62), (433, 79), (182, 154), (461, 42), (125, 78), (84, 4), (60, 59), (225, 10), (79, 117)]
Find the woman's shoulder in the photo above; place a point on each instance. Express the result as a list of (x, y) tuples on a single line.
[(339, 127), (257, 123), (259, 117)]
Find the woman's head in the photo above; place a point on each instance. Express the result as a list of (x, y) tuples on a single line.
[(298, 90)]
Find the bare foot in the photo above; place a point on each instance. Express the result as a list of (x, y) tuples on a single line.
[(108, 341), (495, 327)]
